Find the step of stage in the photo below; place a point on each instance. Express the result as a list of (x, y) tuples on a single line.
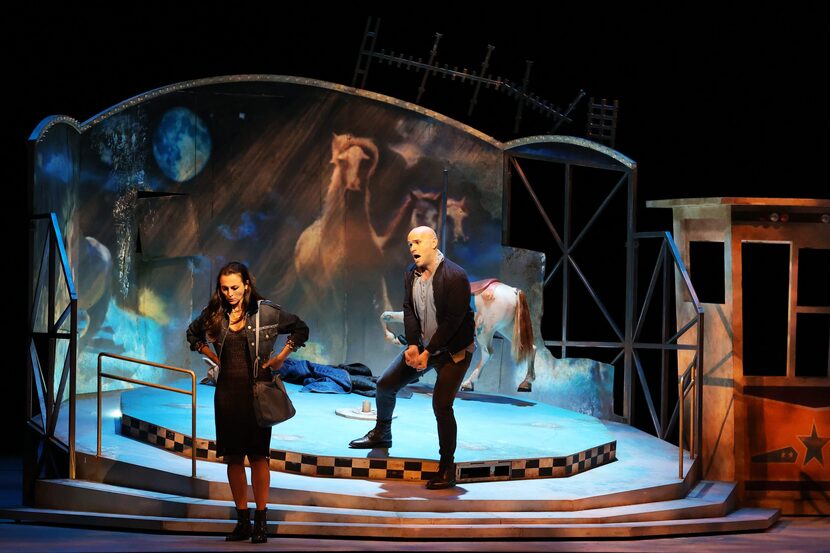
[(707, 508), (742, 520), (708, 499)]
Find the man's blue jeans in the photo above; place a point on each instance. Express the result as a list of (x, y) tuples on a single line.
[(449, 377)]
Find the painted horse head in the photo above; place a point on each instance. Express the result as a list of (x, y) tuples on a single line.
[(426, 206), (348, 154)]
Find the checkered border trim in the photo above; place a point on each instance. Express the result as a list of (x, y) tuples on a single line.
[(558, 467), (353, 467), (416, 470), (286, 461), (167, 439)]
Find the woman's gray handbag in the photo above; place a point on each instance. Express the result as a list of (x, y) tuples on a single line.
[(271, 402)]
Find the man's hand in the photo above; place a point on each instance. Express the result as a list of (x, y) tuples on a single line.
[(410, 355), (421, 361)]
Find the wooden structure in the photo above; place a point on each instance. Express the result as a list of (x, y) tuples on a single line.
[(766, 384)]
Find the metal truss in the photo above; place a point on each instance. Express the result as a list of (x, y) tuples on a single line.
[(628, 332), (51, 325), (431, 68)]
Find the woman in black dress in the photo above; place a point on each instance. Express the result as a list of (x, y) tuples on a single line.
[(228, 322)]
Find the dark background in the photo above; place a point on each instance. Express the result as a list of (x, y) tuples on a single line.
[(711, 104)]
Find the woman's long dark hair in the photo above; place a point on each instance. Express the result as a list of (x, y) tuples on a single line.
[(218, 308)]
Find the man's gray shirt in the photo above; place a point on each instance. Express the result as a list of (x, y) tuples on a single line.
[(424, 299)]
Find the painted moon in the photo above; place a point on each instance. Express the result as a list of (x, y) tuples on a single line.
[(181, 144)]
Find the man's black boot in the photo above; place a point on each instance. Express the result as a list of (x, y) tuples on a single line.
[(445, 477), (379, 436)]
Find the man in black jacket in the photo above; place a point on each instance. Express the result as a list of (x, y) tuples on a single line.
[(440, 331)]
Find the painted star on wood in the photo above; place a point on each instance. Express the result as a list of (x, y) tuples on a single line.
[(814, 444)]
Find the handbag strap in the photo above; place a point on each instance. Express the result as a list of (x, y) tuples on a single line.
[(256, 339)]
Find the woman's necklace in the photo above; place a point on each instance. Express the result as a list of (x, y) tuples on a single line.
[(239, 313)]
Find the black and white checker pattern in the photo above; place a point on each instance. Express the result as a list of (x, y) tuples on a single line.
[(414, 470), (558, 467), (167, 439), (353, 467)]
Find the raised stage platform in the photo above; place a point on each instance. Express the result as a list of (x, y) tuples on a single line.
[(500, 438)]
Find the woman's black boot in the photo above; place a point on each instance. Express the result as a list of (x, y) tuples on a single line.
[(260, 532), (242, 530)]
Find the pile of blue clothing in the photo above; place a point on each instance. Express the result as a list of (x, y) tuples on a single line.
[(328, 379)]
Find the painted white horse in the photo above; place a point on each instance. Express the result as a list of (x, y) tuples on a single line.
[(499, 308)]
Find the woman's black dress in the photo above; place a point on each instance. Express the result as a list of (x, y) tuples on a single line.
[(237, 432)]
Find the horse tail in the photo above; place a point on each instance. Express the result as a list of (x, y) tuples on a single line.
[(522, 342)]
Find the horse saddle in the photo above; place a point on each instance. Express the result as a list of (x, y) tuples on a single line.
[(479, 286)]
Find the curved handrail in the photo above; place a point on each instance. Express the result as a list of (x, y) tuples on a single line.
[(191, 393)]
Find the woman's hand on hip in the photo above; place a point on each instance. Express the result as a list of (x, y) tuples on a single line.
[(274, 363)]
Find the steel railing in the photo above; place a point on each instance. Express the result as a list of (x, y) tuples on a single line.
[(682, 391), (191, 393), (691, 379)]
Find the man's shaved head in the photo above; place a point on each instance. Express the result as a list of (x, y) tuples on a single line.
[(426, 232), (423, 245)]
